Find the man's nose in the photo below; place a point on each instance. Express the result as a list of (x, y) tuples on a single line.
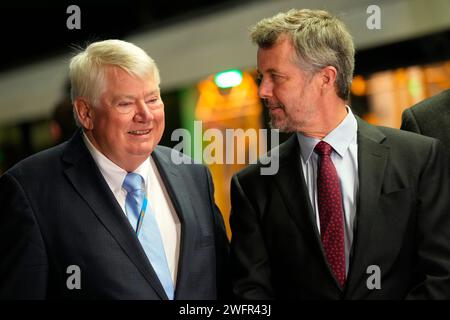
[(265, 89), (143, 112)]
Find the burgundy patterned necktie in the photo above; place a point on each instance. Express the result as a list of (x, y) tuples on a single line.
[(331, 213)]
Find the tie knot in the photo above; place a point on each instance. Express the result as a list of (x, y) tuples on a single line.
[(133, 182), (323, 148)]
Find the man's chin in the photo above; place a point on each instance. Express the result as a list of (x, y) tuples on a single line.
[(141, 153), (280, 125)]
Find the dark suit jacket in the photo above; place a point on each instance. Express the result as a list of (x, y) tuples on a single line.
[(402, 224), (57, 210), (431, 117)]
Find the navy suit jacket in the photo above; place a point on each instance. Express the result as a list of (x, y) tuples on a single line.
[(57, 210), (402, 225)]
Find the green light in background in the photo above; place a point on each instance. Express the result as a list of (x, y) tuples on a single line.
[(228, 79), (415, 87)]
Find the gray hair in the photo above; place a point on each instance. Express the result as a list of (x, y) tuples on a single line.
[(87, 68), (319, 38)]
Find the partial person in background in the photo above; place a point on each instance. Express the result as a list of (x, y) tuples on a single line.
[(10, 154), (430, 117), (355, 211), (108, 215), (62, 123)]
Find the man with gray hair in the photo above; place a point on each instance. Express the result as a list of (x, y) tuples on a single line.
[(355, 211), (107, 215)]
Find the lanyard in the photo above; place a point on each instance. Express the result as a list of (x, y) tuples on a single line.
[(141, 216)]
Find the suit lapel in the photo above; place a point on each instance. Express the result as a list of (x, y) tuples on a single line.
[(372, 160), (175, 185), (88, 181), (291, 183)]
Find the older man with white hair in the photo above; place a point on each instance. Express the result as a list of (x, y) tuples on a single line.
[(107, 214)]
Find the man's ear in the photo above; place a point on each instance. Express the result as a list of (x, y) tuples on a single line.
[(328, 78), (84, 113)]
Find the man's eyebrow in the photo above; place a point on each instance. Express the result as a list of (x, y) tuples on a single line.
[(153, 92), (125, 96), (270, 70), (121, 96)]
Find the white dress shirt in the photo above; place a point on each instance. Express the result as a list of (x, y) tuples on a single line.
[(158, 200), (344, 156)]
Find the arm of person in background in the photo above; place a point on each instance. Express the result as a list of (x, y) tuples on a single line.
[(23, 257), (433, 228)]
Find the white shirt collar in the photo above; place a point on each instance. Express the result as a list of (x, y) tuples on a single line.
[(339, 138), (113, 174)]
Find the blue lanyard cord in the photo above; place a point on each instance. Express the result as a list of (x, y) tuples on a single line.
[(141, 216)]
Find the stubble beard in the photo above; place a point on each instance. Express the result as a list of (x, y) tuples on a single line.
[(282, 122)]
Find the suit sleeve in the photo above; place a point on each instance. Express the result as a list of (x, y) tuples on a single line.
[(433, 229), (23, 259), (409, 122), (222, 247), (251, 272)]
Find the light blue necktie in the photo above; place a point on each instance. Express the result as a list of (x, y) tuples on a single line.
[(147, 229)]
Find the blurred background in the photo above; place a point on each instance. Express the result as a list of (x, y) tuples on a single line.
[(194, 42)]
